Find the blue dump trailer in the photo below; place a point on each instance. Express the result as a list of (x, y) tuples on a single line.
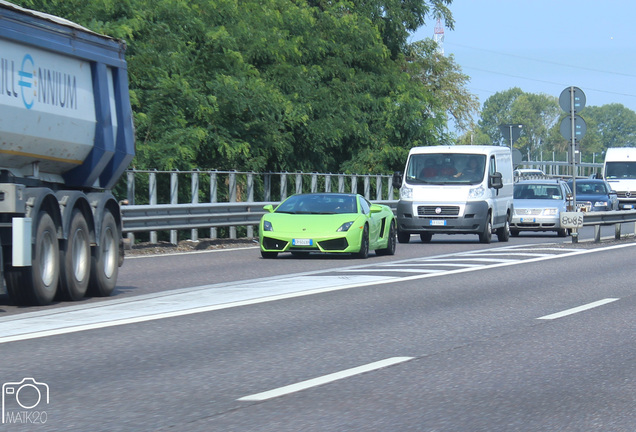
[(66, 136)]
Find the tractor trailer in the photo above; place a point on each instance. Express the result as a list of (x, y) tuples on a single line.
[(66, 136)]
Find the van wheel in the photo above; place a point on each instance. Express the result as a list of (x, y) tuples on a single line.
[(403, 237), (486, 235), (503, 233), (426, 237)]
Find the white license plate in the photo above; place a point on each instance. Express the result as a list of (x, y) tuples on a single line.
[(302, 242), (528, 220), (628, 206), (437, 222)]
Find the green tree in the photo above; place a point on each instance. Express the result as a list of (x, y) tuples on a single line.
[(611, 125)]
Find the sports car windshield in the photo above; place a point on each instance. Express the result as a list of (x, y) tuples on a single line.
[(319, 204)]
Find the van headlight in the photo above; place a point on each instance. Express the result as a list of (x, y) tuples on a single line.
[(406, 193), (478, 192)]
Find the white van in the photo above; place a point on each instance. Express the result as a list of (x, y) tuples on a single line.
[(455, 190), (619, 170)]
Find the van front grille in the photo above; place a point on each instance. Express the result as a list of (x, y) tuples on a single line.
[(438, 210)]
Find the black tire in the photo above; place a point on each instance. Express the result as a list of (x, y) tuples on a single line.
[(503, 233), (563, 232), (426, 237), (403, 237), (105, 259), (486, 235), (391, 242), (363, 253), (514, 233), (75, 259), (269, 255), (37, 285)]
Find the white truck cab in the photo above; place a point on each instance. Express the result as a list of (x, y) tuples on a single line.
[(619, 170), (455, 190)]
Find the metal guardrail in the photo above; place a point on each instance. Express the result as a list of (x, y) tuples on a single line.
[(605, 218), (164, 217), (168, 217)]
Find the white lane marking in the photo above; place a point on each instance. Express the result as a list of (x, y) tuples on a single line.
[(209, 298), (304, 385), (578, 309), (465, 259), (392, 270), (195, 252)]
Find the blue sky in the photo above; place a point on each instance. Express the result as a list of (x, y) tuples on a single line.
[(544, 46)]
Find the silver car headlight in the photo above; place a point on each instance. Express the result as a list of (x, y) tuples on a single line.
[(267, 226), (406, 193), (345, 227), (551, 212)]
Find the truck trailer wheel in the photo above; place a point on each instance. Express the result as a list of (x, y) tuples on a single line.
[(105, 259), (37, 285), (75, 256)]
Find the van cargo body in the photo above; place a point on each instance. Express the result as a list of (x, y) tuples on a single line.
[(66, 137), (456, 190), (619, 170)]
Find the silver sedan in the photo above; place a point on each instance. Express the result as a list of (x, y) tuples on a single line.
[(538, 205)]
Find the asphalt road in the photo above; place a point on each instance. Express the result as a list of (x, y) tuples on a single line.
[(531, 335)]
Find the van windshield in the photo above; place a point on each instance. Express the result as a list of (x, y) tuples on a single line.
[(620, 170), (446, 168)]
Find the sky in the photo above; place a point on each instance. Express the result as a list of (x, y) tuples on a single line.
[(544, 46)]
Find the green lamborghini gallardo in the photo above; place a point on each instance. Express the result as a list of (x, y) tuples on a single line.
[(327, 222)]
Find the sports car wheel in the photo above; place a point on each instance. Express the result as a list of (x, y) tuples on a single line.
[(364, 244), (268, 255), (390, 243)]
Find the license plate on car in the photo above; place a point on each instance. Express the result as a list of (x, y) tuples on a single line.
[(528, 220), (437, 222), (302, 242)]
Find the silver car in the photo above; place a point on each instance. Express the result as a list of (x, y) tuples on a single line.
[(538, 206)]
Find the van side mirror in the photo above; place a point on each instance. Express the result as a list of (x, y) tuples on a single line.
[(495, 180), (397, 179)]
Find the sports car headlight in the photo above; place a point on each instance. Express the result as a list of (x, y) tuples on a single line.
[(345, 227), (600, 204), (406, 193), (477, 192), (551, 212), (267, 226)]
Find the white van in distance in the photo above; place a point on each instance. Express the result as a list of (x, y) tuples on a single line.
[(455, 190), (619, 170)]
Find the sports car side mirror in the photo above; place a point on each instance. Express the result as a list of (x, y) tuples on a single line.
[(269, 208), (376, 208)]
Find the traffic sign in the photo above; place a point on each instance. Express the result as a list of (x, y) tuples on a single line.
[(580, 127), (566, 100)]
